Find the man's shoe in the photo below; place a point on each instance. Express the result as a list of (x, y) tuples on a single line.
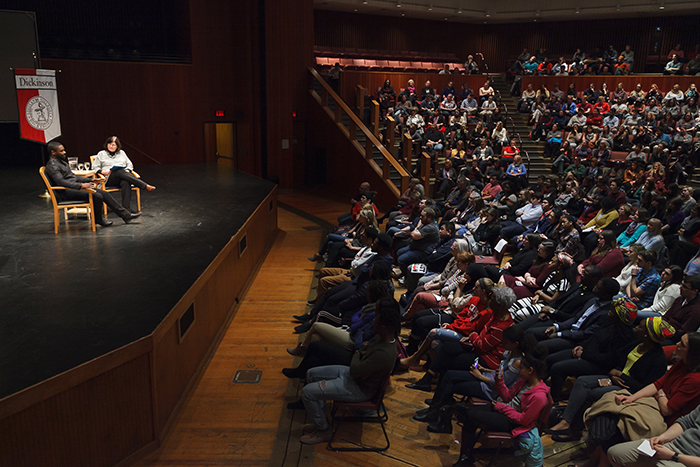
[(464, 461), (309, 428), (303, 327), (427, 387), (104, 222), (291, 372), (296, 405), (441, 425), (132, 216), (317, 437), (298, 351), (302, 318), (431, 416)]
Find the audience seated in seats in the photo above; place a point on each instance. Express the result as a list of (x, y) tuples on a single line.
[(669, 290), (651, 238), (520, 419), (478, 382), (584, 322), (521, 261), (645, 280), (423, 238), (484, 342), (365, 218), (342, 298), (570, 301), (457, 319), (606, 255), (507, 200), (359, 381), (484, 238), (437, 281), (554, 286), (625, 276), (412, 195), (598, 353), (636, 365), (534, 278), (677, 393), (684, 313), (329, 277)]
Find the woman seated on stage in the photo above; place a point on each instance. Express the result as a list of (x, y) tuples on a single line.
[(113, 163)]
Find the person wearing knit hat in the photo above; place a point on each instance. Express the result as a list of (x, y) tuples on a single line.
[(637, 365)]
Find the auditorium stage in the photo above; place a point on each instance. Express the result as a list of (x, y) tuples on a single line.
[(70, 298)]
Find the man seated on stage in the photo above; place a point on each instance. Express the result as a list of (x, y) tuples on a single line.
[(60, 174)]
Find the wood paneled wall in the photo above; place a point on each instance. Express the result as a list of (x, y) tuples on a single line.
[(372, 80), (97, 423), (118, 406), (160, 109), (664, 83), (288, 53), (501, 42)]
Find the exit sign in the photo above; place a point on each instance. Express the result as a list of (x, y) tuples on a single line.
[(219, 113)]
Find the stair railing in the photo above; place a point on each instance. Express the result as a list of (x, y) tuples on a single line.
[(350, 131)]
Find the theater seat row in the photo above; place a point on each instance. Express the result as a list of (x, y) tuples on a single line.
[(385, 65)]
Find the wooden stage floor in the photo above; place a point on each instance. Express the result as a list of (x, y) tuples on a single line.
[(223, 423), (72, 297)]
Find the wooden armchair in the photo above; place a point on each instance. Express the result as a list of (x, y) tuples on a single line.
[(66, 205), (103, 187)]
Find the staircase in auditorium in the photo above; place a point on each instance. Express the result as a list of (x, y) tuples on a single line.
[(519, 126), (367, 144)]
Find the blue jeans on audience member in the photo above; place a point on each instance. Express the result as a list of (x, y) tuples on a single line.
[(510, 229), (406, 256), (444, 335), (330, 238), (332, 382)]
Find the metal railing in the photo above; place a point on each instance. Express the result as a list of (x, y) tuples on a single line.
[(372, 143)]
